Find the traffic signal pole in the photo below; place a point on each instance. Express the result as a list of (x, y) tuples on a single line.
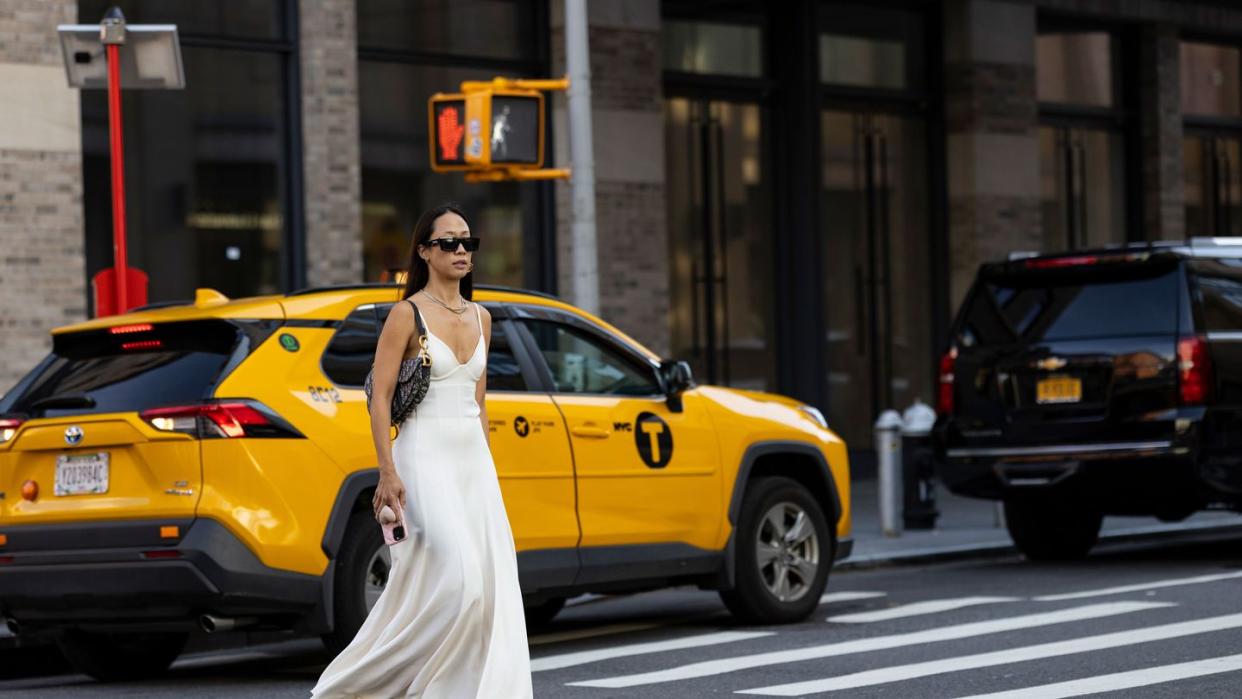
[(584, 255)]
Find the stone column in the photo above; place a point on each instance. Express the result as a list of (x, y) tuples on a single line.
[(1160, 118), (332, 177), (630, 214), (992, 135), (42, 260)]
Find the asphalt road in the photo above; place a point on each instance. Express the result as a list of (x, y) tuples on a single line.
[(1143, 621)]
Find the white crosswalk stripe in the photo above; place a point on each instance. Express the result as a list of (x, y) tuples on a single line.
[(556, 662), (1139, 587), (1086, 644), (849, 596), (1123, 680), (723, 665), (917, 609)]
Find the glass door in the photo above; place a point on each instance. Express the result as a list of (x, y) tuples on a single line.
[(1082, 187), (877, 270), (720, 241), (1213, 185)]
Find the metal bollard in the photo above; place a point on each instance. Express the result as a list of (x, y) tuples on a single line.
[(888, 460), (918, 469)]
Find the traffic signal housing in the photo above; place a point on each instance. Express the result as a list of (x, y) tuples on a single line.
[(493, 130)]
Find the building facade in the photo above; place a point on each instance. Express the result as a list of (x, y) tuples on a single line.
[(793, 196)]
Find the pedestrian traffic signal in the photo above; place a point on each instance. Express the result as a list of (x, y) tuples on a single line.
[(494, 130)]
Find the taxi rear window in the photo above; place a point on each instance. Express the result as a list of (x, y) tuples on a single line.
[(142, 366)]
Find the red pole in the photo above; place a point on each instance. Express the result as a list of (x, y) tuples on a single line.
[(118, 176)]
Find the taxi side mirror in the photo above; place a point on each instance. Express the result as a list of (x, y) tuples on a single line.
[(675, 378)]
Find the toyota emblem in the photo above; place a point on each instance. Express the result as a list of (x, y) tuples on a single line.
[(73, 434)]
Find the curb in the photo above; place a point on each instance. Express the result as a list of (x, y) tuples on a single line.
[(1196, 532)]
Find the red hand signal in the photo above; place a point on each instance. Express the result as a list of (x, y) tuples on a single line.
[(449, 134)]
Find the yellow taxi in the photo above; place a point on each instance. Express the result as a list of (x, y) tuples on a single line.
[(210, 464)]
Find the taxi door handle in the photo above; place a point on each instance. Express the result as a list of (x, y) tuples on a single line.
[(589, 432)]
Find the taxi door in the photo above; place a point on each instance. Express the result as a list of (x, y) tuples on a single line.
[(646, 474)]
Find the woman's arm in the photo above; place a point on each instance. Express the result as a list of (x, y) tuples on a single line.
[(480, 387), (389, 351)]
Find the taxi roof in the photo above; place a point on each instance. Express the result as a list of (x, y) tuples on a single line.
[(320, 303)]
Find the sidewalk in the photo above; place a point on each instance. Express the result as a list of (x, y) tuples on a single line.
[(968, 527)]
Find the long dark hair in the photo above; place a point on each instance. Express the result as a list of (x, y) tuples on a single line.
[(417, 273)]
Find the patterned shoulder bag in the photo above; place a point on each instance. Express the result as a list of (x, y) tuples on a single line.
[(413, 377)]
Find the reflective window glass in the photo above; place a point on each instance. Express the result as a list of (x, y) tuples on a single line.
[(1082, 187), (1075, 68), (251, 19), (861, 61), (503, 371), (581, 364), (351, 351), (490, 28), (1210, 77), (707, 47), (398, 184), (205, 171)]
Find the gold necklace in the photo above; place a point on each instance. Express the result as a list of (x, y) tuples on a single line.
[(444, 305)]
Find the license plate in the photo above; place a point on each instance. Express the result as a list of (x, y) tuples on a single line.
[(79, 474), (1058, 389)]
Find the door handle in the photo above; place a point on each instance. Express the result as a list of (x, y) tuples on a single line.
[(589, 432)]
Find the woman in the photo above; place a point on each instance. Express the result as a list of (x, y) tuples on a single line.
[(450, 621)]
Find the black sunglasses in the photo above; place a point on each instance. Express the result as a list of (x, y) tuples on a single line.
[(450, 244)]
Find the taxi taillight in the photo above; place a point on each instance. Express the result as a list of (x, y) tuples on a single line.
[(224, 419), (8, 427)]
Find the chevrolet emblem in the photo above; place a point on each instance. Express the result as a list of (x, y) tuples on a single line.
[(1050, 364)]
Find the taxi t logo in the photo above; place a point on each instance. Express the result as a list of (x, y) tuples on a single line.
[(654, 440)]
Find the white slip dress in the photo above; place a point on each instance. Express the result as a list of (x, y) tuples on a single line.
[(449, 622)]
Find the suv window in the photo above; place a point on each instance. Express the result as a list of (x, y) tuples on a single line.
[(583, 364), (349, 354), (1220, 292), (1033, 306), (177, 362)]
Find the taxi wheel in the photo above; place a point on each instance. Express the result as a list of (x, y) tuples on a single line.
[(541, 614), (115, 657), (1053, 529), (361, 574), (783, 551)]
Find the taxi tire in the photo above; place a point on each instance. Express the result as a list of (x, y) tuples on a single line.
[(541, 614), (114, 657), (349, 607), (749, 600), (1053, 529)]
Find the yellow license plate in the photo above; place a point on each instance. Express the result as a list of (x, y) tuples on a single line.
[(1058, 389)]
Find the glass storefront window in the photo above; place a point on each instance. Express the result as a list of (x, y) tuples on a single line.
[(240, 19), (708, 47), (1075, 68), (398, 184), (205, 176), (1210, 76), (487, 28), (861, 61), (1082, 188)]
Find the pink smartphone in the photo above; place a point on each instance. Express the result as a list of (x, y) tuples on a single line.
[(391, 524)]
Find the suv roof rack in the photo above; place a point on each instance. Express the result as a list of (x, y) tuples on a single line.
[(382, 285)]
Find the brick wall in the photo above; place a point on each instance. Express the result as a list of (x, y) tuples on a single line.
[(42, 263), (332, 170), (628, 130)]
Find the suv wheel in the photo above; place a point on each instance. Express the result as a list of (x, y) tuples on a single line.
[(541, 614), (1048, 529), (361, 574), (111, 657), (783, 549)]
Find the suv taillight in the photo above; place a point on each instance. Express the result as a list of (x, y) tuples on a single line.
[(8, 427), (944, 394), (220, 419), (1194, 366)]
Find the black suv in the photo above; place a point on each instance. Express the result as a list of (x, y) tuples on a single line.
[(1097, 383)]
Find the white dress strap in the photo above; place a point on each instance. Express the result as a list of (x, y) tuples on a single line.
[(479, 314)]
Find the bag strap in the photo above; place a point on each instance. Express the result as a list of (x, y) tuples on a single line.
[(418, 318), (422, 335)]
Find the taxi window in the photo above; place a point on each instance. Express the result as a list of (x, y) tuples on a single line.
[(504, 373), (580, 363), (348, 356)]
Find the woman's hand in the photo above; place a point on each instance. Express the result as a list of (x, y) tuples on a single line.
[(390, 491)]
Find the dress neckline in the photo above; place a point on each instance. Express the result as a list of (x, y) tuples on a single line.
[(450, 347)]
